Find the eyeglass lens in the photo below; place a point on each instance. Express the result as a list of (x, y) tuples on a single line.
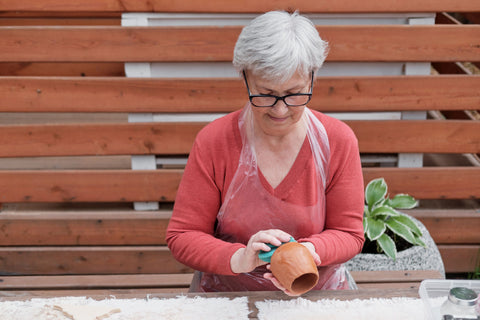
[(291, 100)]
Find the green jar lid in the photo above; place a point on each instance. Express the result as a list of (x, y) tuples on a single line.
[(463, 296), (267, 255)]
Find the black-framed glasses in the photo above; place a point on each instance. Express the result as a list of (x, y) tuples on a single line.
[(269, 100)]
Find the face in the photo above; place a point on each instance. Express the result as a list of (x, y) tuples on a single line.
[(280, 119)]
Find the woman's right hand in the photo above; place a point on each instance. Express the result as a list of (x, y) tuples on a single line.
[(246, 259)]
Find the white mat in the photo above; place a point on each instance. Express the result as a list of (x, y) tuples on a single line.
[(81, 308), (371, 309)]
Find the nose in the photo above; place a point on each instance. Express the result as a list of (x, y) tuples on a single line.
[(280, 108)]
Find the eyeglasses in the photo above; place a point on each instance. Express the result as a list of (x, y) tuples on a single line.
[(269, 100)]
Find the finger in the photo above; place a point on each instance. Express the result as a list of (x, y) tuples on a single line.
[(275, 282), (273, 236)]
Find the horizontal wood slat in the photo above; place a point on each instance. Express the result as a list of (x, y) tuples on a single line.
[(333, 94), (60, 21), (417, 136), (96, 281), (145, 260), (88, 260), (460, 258), (375, 136), (453, 226), (362, 278), (113, 227), (94, 227), (66, 69), (161, 185), (181, 44), (430, 182), (98, 139), (395, 276), (89, 185), (246, 6)]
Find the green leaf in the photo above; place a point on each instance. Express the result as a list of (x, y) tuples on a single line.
[(384, 211), (400, 229), (366, 211), (419, 242), (375, 191), (388, 246), (403, 201), (375, 228), (406, 220)]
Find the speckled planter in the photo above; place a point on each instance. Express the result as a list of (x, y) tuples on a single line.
[(414, 258)]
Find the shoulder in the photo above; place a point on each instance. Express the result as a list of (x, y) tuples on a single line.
[(337, 130), (219, 131)]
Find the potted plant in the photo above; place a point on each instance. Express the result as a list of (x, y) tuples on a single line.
[(393, 240)]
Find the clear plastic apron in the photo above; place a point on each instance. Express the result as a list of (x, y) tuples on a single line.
[(249, 208)]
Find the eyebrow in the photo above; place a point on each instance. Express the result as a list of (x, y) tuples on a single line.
[(291, 89)]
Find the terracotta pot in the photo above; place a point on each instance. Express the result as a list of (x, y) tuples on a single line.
[(293, 266)]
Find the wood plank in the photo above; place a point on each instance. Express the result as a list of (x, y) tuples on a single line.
[(460, 258), (88, 260), (364, 279), (93, 227), (375, 136), (332, 94), (73, 227), (98, 139), (89, 185), (124, 281), (161, 185), (395, 276), (444, 136), (59, 21), (141, 44), (94, 293), (430, 182), (454, 226), (389, 285), (246, 6), (66, 69)]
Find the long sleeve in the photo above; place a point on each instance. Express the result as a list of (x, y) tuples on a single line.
[(190, 234)]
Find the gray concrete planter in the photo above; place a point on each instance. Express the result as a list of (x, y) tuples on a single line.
[(414, 258)]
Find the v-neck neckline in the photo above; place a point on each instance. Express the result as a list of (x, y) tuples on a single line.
[(293, 175)]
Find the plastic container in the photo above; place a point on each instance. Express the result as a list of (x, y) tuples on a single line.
[(434, 293)]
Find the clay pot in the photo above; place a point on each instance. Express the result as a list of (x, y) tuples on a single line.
[(293, 266)]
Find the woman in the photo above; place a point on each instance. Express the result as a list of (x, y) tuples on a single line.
[(271, 171)]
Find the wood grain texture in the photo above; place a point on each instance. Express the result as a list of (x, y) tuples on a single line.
[(451, 226), (88, 260), (460, 258), (80, 228), (82, 139), (161, 185), (174, 44), (331, 94), (246, 6)]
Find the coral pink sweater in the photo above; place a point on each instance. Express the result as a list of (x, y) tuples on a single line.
[(211, 166)]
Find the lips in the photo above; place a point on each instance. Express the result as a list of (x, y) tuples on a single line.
[(277, 119)]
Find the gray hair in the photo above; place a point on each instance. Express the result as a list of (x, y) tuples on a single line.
[(277, 44)]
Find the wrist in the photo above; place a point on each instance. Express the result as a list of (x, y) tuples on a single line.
[(236, 261)]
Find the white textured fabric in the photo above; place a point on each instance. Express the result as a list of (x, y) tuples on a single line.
[(371, 309), (81, 308)]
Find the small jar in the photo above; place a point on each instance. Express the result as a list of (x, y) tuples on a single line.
[(461, 303)]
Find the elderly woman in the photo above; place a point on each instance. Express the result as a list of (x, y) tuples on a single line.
[(270, 171)]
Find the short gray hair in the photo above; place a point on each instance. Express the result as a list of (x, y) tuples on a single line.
[(277, 44)]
